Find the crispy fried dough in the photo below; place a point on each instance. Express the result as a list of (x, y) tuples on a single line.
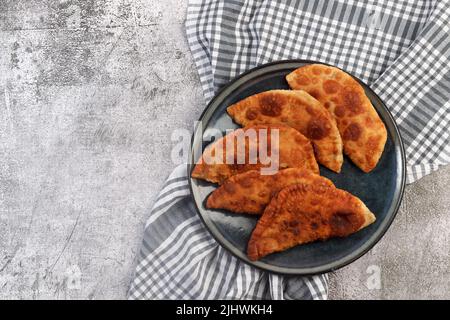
[(304, 213), (294, 151), (250, 192), (299, 110)]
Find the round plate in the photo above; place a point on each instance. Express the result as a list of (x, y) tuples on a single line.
[(381, 190)]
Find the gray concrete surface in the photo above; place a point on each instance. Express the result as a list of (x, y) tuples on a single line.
[(90, 92)]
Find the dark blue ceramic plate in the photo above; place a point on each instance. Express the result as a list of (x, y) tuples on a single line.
[(381, 190)]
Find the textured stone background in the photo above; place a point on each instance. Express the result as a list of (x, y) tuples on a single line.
[(90, 92)]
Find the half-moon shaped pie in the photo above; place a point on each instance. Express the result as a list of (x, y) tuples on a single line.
[(299, 110), (363, 133), (250, 192)]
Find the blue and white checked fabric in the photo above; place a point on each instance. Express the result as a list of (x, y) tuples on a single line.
[(400, 48)]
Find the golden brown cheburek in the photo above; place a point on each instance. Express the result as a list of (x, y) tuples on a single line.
[(250, 192), (363, 133), (297, 109), (304, 213), (220, 162)]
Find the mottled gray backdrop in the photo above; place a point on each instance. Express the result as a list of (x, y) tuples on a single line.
[(90, 92)]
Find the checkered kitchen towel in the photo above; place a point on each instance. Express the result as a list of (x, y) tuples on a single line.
[(400, 48)]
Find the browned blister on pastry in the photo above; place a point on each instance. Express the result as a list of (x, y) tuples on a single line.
[(290, 150), (250, 192), (304, 213), (363, 132), (299, 110)]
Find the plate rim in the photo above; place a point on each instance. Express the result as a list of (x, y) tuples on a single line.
[(329, 267)]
